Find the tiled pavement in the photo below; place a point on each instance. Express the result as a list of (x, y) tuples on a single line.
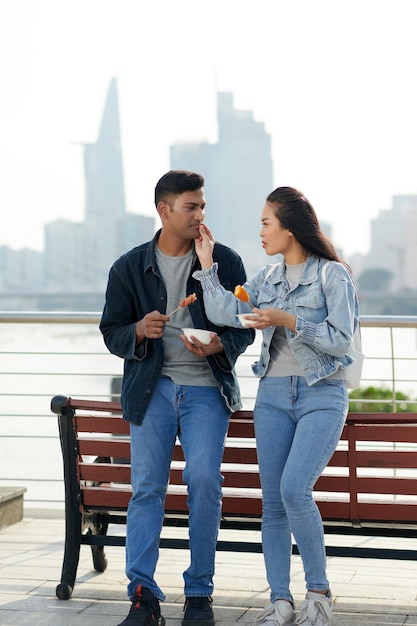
[(367, 591)]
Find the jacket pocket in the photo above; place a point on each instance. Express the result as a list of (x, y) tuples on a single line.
[(312, 305), (267, 296)]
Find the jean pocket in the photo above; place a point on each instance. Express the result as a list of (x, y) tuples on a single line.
[(335, 382)]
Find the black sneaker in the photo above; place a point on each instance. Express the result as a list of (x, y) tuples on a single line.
[(198, 612), (145, 610)]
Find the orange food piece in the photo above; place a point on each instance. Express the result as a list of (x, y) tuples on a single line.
[(241, 294), (189, 300)]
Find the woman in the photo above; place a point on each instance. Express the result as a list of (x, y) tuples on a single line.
[(302, 400)]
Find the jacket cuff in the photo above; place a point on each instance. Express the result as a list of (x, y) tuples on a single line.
[(306, 330), (141, 350), (208, 278)]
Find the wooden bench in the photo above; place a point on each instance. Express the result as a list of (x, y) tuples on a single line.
[(369, 487)]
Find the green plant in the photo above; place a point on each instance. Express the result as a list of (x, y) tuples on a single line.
[(358, 396)]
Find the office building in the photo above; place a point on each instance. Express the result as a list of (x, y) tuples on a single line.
[(394, 243), (238, 175)]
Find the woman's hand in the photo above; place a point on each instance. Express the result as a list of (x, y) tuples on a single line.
[(204, 245), (272, 317)]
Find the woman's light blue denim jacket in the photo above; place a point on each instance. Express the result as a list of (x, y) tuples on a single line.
[(326, 318)]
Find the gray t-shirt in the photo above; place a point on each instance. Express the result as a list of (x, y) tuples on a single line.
[(183, 367), (283, 361)]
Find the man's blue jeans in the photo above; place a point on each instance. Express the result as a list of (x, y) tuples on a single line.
[(199, 417), (297, 430)]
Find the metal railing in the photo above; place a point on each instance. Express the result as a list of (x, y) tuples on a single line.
[(43, 354)]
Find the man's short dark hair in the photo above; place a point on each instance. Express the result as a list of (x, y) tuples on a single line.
[(176, 182)]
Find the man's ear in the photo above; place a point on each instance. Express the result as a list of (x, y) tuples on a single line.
[(162, 209)]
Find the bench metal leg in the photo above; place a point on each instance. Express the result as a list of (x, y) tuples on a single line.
[(71, 556), (72, 507)]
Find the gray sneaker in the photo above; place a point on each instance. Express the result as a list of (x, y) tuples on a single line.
[(316, 610), (279, 613)]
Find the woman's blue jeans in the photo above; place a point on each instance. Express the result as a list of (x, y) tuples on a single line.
[(199, 417), (297, 430)]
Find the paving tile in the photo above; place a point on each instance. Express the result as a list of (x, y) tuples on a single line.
[(367, 591)]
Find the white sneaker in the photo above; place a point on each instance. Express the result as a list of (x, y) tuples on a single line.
[(280, 613), (316, 610)]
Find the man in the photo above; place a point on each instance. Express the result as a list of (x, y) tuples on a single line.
[(173, 387)]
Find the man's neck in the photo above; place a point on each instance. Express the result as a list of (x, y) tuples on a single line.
[(173, 247)]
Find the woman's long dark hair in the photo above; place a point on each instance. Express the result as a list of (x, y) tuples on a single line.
[(296, 214)]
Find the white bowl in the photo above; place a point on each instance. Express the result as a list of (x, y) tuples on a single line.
[(202, 335), (246, 321)]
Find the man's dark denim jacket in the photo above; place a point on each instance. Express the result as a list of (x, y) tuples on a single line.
[(135, 288)]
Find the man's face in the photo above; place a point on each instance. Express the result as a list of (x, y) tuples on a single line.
[(184, 214)]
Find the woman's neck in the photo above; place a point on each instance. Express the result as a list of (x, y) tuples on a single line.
[(295, 257)]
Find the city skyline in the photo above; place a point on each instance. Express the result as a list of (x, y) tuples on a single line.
[(73, 268), (332, 82)]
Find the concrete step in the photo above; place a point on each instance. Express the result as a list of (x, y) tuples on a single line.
[(11, 505)]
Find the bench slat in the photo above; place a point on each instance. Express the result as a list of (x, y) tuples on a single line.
[(241, 429), (382, 418), (392, 511), (100, 424), (105, 472), (390, 459), (398, 433), (104, 447), (387, 485)]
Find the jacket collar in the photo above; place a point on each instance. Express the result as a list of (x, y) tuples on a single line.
[(150, 261), (308, 276)]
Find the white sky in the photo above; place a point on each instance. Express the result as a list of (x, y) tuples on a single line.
[(333, 80)]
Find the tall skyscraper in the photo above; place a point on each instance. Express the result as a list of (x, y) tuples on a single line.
[(78, 256), (238, 174), (103, 165)]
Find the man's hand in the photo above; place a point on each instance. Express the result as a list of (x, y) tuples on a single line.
[(200, 349), (151, 326)]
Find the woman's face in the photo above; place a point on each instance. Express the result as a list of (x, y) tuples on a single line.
[(275, 238)]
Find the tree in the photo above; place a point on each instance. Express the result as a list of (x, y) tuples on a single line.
[(386, 404)]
